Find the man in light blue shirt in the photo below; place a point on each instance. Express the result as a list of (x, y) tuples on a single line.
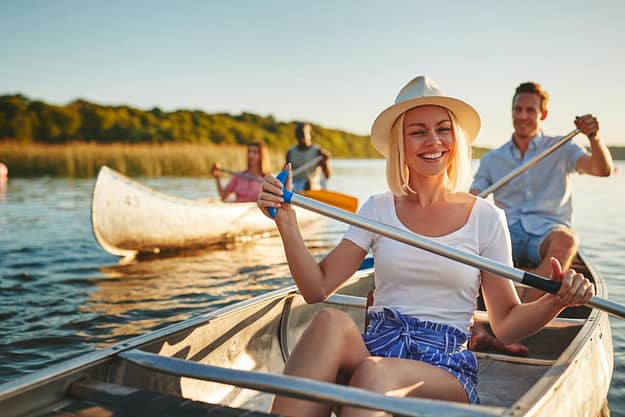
[(538, 202)]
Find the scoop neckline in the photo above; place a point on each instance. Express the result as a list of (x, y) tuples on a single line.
[(398, 220)]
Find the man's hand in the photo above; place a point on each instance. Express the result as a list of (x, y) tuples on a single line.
[(325, 155), (588, 124)]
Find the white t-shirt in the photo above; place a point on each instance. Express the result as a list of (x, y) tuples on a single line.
[(423, 284)]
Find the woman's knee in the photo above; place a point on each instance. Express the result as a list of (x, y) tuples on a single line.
[(333, 334), (333, 319), (329, 329), (370, 374)]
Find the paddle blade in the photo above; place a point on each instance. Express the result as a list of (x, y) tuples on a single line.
[(342, 201)]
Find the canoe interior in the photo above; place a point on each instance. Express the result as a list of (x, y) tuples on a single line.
[(248, 336), (97, 399)]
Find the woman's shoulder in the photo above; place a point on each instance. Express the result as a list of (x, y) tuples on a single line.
[(480, 206), (381, 198), (487, 209), (377, 202)]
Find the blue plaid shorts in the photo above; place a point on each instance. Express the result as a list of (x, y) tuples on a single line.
[(391, 334)]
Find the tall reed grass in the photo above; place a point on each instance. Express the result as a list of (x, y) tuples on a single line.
[(83, 160)]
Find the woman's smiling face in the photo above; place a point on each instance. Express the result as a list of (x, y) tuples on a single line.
[(428, 140), (253, 156)]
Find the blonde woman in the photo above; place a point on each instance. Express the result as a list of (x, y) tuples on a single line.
[(415, 343)]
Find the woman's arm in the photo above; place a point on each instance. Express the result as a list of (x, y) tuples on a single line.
[(316, 281), (512, 320), (222, 191), (216, 172)]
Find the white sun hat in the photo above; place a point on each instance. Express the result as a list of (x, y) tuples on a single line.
[(422, 91)]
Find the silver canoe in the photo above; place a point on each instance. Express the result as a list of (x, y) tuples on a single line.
[(130, 218), (227, 362)]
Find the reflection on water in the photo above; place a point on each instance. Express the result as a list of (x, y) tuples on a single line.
[(164, 290)]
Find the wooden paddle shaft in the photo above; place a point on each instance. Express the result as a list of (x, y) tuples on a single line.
[(516, 172)]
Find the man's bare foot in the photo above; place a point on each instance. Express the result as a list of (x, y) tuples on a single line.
[(515, 349), (482, 340)]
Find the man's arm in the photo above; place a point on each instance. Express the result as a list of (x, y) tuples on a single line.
[(325, 166), (599, 162)]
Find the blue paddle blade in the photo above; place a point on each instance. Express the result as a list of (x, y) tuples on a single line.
[(282, 176), (367, 263)]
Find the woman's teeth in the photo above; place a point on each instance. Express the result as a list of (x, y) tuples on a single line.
[(431, 155)]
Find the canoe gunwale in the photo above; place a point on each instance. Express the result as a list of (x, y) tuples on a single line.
[(553, 381), (38, 378), (304, 388), (284, 325)]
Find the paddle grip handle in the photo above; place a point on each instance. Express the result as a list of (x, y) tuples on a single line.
[(540, 283), (287, 195)]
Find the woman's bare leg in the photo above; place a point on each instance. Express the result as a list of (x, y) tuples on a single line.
[(331, 343), (403, 378)]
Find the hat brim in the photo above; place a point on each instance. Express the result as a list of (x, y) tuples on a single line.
[(466, 116)]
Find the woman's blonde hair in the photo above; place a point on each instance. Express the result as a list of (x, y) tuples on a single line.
[(458, 171)]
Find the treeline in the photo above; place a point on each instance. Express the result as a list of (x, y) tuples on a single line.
[(28, 121), (32, 121)]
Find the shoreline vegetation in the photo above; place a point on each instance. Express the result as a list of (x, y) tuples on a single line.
[(83, 160), (40, 139)]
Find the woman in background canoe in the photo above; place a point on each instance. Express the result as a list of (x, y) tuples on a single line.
[(415, 343), (245, 185)]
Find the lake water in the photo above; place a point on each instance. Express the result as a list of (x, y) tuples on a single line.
[(62, 295)]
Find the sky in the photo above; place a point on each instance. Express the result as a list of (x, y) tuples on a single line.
[(337, 63)]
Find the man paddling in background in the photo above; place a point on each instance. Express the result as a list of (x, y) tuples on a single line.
[(538, 202), (302, 154)]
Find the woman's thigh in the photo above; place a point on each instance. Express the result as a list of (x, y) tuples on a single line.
[(332, 342), (407, 377)]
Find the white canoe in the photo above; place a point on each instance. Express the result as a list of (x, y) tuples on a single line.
[(229, 361), (129, 218)]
